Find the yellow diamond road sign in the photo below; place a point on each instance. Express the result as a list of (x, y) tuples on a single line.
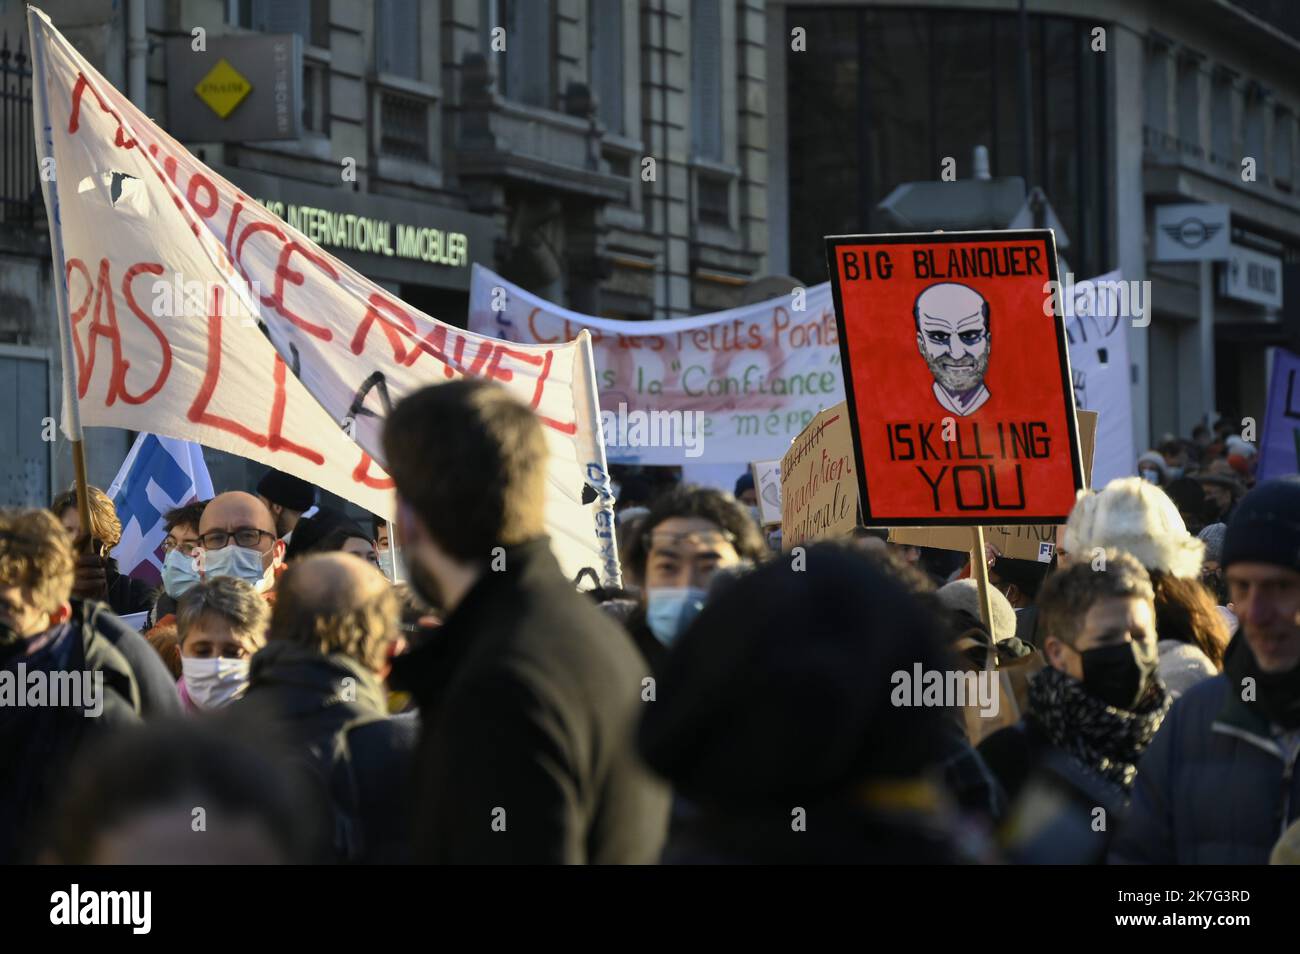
[(223, 88)]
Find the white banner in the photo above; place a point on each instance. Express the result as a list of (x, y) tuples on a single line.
[(726, 387), (197, 314), (1097, 325)]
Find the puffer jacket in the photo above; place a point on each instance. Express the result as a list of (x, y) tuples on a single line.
[(1216, 786)]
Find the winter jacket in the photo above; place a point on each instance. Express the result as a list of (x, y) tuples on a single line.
[(39, 740), (157, 688), (329, 711), (125, 594), (1216, 786), (528, 696), (1182, 666)]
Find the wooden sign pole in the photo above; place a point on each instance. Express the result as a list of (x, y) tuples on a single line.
[(980, 570)]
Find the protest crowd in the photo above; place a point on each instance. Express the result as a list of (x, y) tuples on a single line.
[(284, 701)]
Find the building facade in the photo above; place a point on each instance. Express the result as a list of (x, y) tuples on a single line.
[(610, 155), (1174, 104)]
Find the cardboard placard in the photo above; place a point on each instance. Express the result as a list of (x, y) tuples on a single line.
[(957, 377), (819, 481), (1030, 542), (767, 486)]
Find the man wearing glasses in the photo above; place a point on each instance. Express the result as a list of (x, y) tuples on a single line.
[(237, 538)]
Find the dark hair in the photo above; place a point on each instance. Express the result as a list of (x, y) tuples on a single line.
[(335, 539), (179, 761), (471, 461), (706, 503), (1068, 594), (1027, 575), (1185, 611), (187, 515)]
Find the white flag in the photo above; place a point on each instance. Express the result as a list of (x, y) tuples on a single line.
[(197, 314)]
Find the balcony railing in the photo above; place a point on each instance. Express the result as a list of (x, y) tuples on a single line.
[(19, 188)]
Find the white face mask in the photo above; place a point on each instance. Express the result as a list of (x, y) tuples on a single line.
[(386, 562), (213, 683)]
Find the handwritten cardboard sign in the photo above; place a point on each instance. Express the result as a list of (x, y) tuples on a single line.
[(957, 377), (819, 484), (767, 485)]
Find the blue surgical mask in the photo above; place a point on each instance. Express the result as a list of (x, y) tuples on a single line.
[(239, 562), (1175, 473), (179, 573), (670, 609)]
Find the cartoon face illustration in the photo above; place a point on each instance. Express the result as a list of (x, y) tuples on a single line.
[(952, 334)]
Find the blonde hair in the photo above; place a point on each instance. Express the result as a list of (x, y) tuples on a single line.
[(35, 554), (104, 523)]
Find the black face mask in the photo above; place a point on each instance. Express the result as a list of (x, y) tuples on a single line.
[(1118, 675)]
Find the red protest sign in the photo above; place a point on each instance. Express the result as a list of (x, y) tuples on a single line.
[(957, 376)]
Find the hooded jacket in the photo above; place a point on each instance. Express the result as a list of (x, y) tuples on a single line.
[(529, 696), (1215, 786), (330, 711), (38, 742)]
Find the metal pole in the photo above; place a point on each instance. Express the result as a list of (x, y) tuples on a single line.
[(1207, 343)]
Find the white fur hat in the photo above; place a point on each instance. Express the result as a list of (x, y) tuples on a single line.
[(1133, 515)]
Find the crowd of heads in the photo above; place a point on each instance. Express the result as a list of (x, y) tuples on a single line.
[(763, 679)]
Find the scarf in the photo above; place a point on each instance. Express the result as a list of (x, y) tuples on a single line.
[(1108, 741), (1277, 694)]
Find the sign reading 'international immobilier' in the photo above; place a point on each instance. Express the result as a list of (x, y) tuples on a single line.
[(361, 233)]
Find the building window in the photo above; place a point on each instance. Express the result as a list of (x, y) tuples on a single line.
[(307, 18), (1254, 132), (706, 79), (892, 92), (397, 38), (1157, 90), (404, 121), (524, 69), (1189, 106), (315, 97), (1221, 120), (605, 57), (714, 200), (1282, 123)]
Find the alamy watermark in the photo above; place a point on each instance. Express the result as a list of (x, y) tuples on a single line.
[(58, 689), (1100, 299), (624, 428), (935, 687)]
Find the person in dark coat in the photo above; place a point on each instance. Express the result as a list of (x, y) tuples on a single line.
[(157, 688), (87, 687), (317, 685), (1219, 783), (1095, 707), (528, 693), (779, 724)]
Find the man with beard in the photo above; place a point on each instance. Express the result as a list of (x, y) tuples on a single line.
[(952, 334), (528, 693), (1218, 785)]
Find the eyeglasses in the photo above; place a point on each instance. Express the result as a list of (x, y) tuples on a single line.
[(187, 546), (243, 537)]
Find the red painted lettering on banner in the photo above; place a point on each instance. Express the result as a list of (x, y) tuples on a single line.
[(391, 330), (104, 325), (75, 317), (152, 268), (198, 411), (361, 474), (283, 272), (74, 120), (563, 428)]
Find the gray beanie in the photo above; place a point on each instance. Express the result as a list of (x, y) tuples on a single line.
[(1212, 534)]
